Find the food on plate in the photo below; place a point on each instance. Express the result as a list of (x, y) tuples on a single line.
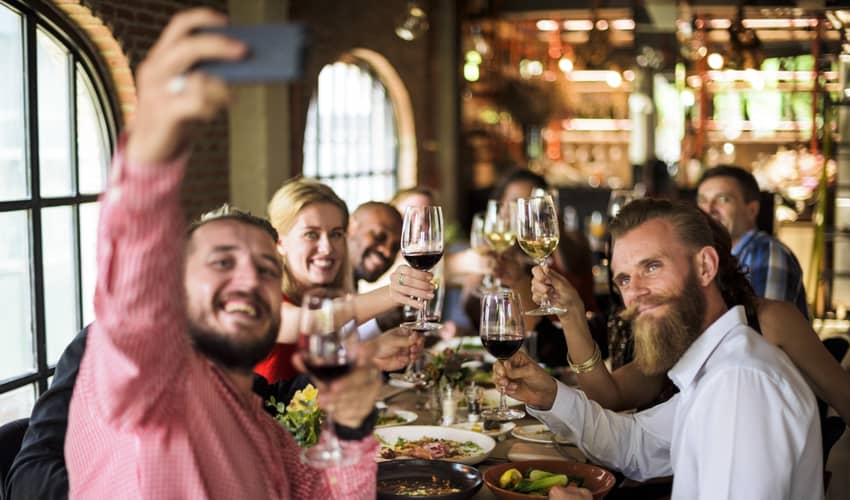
[(390, 418), (535, 481), (428, 448), (417, 487)]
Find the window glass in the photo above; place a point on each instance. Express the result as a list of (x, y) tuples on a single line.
[(14, 178), (16, 342), (351, 138), (89, 213), (17, 403), (54, 118), (92, 138), (60, 278)]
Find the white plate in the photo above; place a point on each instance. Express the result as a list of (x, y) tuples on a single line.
[(408, 416), (413, 432), (537, 433), (503, 429), (490, 399)]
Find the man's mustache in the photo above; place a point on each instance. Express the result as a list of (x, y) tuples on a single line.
[(381, 256), (631, 312)]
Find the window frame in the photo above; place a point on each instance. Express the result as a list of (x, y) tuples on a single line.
[(342, 175), (82, 54)]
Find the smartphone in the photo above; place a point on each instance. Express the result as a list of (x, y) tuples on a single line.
[(276, 53)]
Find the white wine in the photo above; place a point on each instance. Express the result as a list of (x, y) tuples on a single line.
[(540, 248), (501, 241)]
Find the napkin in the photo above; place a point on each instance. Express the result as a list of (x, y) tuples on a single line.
[(536, 451)]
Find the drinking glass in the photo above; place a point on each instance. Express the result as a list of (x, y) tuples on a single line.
[(502, 334), (328, 342), (500, 228), (537, 234), (478, 242), (433, 313), (422, 247)]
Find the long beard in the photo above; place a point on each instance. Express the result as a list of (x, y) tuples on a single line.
[(233, 353), (661, 342)]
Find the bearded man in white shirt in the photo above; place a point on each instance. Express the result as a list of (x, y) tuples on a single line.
[(744, 424)]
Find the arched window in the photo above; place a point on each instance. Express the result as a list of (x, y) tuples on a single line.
[(359, 137), (56, 134)]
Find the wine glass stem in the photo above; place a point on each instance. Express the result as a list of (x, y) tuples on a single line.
[(329, 441), (503, 402), (544, 304), (421, 318)]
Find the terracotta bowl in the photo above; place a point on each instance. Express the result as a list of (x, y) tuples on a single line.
[(598, 480)]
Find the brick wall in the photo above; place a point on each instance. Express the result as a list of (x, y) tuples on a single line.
[(135, 26), (339, 26)]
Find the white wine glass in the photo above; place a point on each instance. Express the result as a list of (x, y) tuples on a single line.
[(537, 235), (500, 228), (422, 248), (502, 334), (478, 242), (328, 343)]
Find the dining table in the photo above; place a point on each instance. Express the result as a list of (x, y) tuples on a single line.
[(508, 447)]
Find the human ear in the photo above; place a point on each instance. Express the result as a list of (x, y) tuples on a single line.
[(707, 263), (753, 210)]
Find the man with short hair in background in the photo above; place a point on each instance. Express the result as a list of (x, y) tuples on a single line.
[(730, 194), (374, 236)]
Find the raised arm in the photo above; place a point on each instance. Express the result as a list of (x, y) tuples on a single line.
[(624, 389), (406, 286), (783, 325), (138, 344)]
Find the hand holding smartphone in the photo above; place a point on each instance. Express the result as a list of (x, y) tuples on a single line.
[(276, 53)]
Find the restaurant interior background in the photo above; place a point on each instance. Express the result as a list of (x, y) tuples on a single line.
[(599, 96)]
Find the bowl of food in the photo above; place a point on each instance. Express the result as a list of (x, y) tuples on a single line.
[(427, 479), (530, 479), (431, 442)]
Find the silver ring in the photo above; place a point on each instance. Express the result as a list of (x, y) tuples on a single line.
[(401, 280), (177, 85)]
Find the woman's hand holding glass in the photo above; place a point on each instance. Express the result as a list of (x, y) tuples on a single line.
[(410, 287)]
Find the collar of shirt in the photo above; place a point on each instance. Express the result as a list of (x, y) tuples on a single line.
[(744, 241), (685, 370)]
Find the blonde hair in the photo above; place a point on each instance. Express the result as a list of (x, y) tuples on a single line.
[(284, 208)]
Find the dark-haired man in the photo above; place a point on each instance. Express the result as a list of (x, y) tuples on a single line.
[(744, 424), (374, 236), (163, 404), (730, 194)]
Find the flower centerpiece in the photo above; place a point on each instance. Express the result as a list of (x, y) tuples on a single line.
[(302, 416)]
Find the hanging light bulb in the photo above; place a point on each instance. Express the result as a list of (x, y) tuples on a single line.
[(413, 23)]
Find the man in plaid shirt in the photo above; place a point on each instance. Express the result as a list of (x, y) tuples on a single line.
[(730, 194), (162, 407)]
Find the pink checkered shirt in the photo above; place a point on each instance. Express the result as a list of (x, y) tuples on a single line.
[(151, 418)]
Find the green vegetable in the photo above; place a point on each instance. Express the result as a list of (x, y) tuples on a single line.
[(544, 483), (535, 474)]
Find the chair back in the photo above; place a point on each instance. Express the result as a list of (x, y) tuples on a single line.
[(11, 436)]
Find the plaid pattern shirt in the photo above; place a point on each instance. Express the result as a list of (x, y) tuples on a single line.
[(772, 268), (150, 417)]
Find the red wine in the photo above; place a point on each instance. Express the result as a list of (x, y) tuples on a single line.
[(502, 347), (328, 373), (423, 260)]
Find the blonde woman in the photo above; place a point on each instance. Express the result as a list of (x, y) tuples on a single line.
[(312, 222)]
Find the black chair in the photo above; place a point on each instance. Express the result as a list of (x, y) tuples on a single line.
[(831, 428), (11, 435)]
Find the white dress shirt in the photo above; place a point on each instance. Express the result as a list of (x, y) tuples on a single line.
[(743, 426)]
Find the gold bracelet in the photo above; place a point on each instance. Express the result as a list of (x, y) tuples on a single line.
[(588, 365)]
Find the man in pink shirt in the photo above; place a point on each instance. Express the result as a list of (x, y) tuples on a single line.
[(163, 406)]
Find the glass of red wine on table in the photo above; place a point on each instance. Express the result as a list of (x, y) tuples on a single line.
[(502, 334), (327, 343)]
